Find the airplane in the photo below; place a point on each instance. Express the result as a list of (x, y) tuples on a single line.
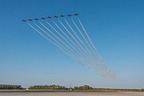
[(69, 15), (76, 14), (49, 17), (36, 19), (24, 20), (43, 18), (62, 15), (29, 19), (55, 16)]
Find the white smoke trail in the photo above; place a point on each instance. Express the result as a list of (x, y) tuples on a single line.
[(74, 39), (75, 51), (86, 56), (77, 37), (84, 59), (103, 70), (85, 41), (89, 58), (88, 37), (80, 50), (95, 57), (66, 40), (64, 44), (73, 55), (81, 34), (57, 45), (67, 37), (60, 45), (48, 39)]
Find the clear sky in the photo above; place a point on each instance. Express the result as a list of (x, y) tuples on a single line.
[(116, 27)]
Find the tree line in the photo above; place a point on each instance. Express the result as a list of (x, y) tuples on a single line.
[(76, 88), (5, 86), (50, 87), (58, 87)]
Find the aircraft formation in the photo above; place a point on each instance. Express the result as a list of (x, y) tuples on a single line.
[(49, 17)]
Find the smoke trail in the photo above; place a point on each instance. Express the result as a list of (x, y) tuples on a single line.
[(57, 45), (88, 36), (84, 56), (72, 37), (80, 53), (81, 34), (84, 40), (88, 53), (105, 70), (95, 57), (69, 39), (67, 36), (87, 57), (60, 45), (46, 38), (79, 47), (65, 45), (69, 51), (77, 37), (77, 53), (61, 36)]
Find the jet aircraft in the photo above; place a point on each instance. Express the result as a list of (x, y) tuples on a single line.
[(55, 16), (29, 19), (69, 15), (43, 18), (62, 15), (36, 19), (49, 17), (76, 14), (24, 20)]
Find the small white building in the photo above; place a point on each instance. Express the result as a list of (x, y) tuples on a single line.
[(27, 89)]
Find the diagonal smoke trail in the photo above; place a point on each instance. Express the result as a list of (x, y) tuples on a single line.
[(86, 56), (61, 36), (103, 69), (73, 53), (87, 36), (79, 52), (72, 48), (95, 57), (85, 53), (66, 36), (64, 33), (76, 45), (86, 50), (77, 36), (79, 55), (53, 39), (81, 34), (92, 45), (57, 45), (84, 39), (65, 45)]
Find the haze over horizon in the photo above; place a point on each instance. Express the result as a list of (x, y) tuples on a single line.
[(115, 27)]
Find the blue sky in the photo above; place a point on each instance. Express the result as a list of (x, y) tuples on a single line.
[(116, 27)]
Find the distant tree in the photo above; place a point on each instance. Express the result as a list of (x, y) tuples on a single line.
[(50, 87), (5, 86), (85, 87)]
